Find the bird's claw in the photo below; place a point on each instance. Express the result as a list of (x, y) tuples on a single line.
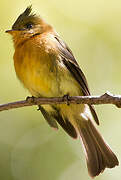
[(66, 97), (30, 99)]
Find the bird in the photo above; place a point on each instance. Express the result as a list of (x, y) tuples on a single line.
[(47, 68)]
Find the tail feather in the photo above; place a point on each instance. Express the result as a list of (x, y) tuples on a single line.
[(98, 153)]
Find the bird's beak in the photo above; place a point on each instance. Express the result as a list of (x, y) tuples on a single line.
[(11, 31)]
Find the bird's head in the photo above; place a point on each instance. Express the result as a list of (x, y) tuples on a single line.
[(27, 25)]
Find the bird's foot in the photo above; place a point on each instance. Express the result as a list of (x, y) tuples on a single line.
[(66, 98), (30, 99)]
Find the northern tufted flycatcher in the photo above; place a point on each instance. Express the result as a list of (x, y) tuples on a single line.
[(47, 68)]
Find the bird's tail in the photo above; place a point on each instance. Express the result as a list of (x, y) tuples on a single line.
[(98, 153)]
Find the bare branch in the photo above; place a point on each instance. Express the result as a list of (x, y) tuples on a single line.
[(106, 98)]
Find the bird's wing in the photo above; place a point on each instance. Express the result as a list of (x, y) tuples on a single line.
[(53, 116), (48, 117), (72, 65)]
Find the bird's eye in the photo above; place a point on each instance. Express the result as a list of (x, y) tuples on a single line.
[(29, 25)]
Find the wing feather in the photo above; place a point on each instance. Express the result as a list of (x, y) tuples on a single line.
[(72, 65)]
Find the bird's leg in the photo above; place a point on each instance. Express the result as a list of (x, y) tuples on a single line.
[(66, 97), (30, 99)]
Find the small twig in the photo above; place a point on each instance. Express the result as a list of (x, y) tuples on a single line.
[(106, 98)]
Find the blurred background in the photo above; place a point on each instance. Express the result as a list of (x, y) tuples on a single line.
[(29, 148)]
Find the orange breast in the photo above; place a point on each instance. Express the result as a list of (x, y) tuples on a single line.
[(36, 69)]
